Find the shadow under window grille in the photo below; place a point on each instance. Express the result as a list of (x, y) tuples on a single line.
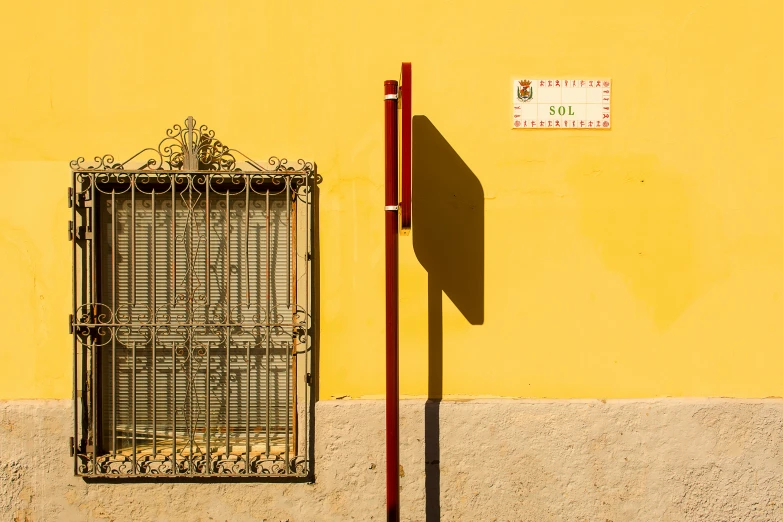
[(191, 323)]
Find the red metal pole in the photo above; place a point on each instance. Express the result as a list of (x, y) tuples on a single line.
[(392, 320), (405, 151)]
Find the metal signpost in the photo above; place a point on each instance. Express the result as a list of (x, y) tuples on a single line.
[(398, 216)]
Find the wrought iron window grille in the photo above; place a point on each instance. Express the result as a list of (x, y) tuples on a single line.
[(191, 314)]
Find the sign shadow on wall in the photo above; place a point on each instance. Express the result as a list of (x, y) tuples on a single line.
[(448, 239)]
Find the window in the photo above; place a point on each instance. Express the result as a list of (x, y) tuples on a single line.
[(191, 293)]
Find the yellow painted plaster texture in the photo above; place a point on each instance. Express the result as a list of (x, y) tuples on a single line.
[(641, 261)]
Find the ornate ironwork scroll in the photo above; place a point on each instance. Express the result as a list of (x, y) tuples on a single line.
[(191, 311)]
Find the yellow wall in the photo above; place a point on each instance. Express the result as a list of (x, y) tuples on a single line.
[(595, 284)]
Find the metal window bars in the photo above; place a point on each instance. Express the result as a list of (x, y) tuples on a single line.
[(191, 312)]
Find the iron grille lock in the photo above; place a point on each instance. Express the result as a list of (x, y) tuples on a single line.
[(191, 311)]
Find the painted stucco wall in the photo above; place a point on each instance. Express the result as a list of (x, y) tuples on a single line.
[(671, 460), (638, 262)]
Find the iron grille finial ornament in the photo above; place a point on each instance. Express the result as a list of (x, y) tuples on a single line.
[(191, 148)]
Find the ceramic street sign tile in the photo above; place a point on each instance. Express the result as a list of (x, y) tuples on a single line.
[(563, 103)]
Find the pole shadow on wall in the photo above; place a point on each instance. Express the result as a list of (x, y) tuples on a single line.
[(448, 239)]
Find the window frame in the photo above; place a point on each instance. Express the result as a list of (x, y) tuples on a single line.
[(188, 155)]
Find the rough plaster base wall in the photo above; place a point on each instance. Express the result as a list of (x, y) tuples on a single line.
[(500, 460)]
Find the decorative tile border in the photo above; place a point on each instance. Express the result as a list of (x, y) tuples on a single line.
[(562, 103)]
